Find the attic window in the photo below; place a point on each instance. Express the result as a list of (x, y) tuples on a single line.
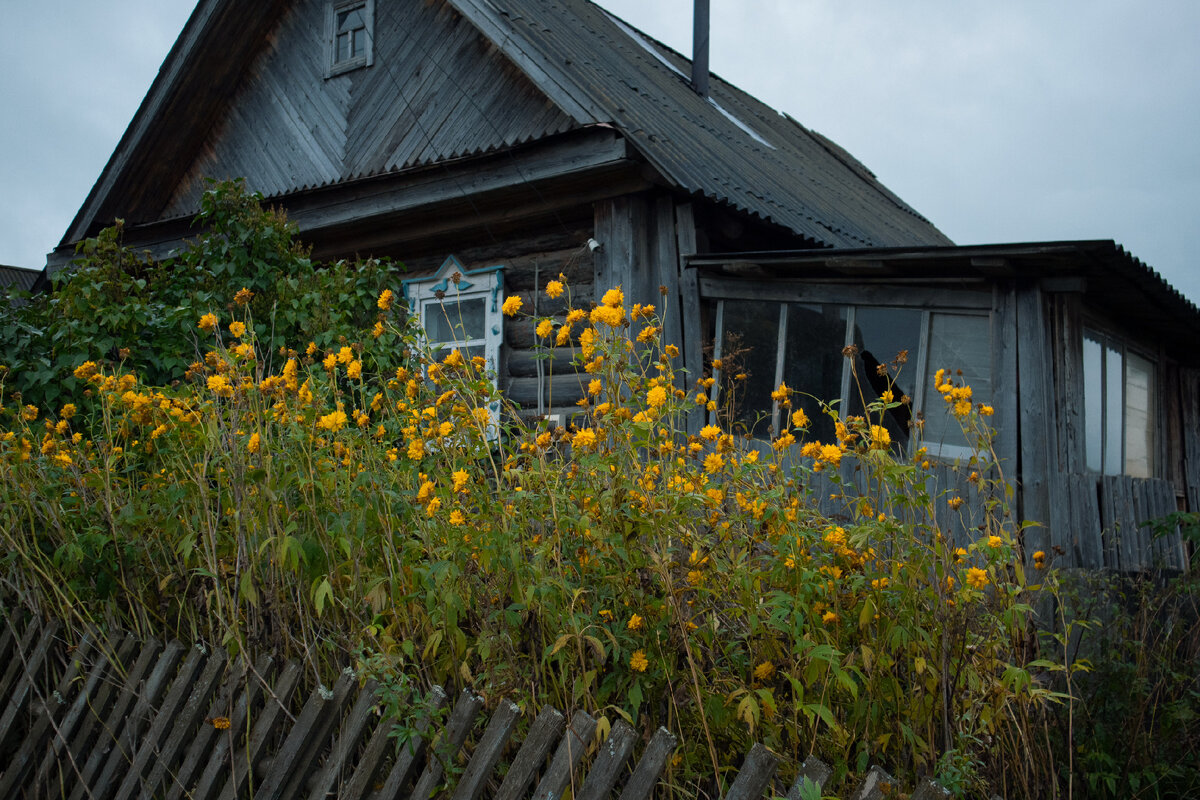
[(351, 27)]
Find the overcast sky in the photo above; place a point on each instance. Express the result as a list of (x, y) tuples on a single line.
[(1022, 120)]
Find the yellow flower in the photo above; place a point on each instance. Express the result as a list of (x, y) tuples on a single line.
[(955, 503), (457, 518), (345, 355), (333, 422), (584, 439), (829, 618), (612, 316), (671, 351), (512, 304), (656, 397), (554, 289), (329, 362), (764, 670), (638, 662), (377, 331), (238, 329), (710, 432), (243, 296), (545, 328), (67, 411), (781, 394), (880, 438), (713, 463), (354, 371), (86, 370), (977, 577), (635, 622), (595, 387), (986, 410), (385, 300), (995, 541), (207, 323), (416, 449), (613, 297), (221, 723), (255, 443), (29, 413), (799, 418)]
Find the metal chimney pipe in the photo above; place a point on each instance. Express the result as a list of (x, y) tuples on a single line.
[(700, 49)]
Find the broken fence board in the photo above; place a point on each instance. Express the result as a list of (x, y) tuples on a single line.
[(337, 765), (488, 752), (645, 774), (562, 771), (606, 769), (754, 778), (412, 751), (446, 748), (291, 764), (270, 718), (543, 733)]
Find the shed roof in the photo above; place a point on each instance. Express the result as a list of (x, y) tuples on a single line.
[(596, 69), (20, 278), (1113, 280)]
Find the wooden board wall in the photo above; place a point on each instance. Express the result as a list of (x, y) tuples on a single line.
[(437, 90)]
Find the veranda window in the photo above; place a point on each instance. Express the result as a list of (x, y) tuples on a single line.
[(1119, 407), (801, 344)]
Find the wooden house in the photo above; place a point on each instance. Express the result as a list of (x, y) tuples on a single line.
[(529, 138)]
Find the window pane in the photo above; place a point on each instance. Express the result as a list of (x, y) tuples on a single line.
[(343, 47), (881, 335), (1093, 400), (1113, 381), (351, 19), (956, 342), (1139, 416), (450, 321), (813, 361), (749, 346)]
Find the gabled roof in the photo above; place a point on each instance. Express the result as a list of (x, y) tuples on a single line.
[(593, 69)]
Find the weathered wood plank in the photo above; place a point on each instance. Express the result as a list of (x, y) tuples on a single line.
[(292, 764), (211, 745), (336, 771), (928, 789), (542, 735), (272, 716), (562, 772), (877, 785), (23, 689), (754, 777), (175, 724), (1037, 441), (554, 390), (553, 361), (413, 751), (71, 742), (813, 771), (56, 709), (446, 748), (645, 775), (488, 752), (24, 645), (144, 698), (609, 763)]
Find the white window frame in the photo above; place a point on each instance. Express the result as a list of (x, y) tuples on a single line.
[(367, 58), (1120, 345), (487, 283)]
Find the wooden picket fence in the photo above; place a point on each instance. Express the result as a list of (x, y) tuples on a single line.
[(137, 719)]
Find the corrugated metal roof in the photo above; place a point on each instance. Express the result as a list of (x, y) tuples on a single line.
[(729, 147), (18, 278)]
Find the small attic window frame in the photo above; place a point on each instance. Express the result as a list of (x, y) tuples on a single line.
[(364, 56)]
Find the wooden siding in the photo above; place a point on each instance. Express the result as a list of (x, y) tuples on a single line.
[(437, 90)]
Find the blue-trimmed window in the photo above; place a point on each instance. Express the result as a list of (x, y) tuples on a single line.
[(460, 310)]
